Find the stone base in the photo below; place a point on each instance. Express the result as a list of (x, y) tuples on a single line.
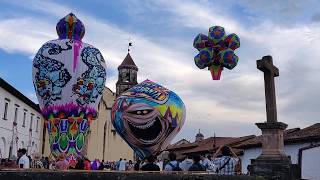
[(273, 163), (273, 169)]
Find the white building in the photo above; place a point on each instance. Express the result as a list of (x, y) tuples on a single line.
[(302, 145), (21, 123)]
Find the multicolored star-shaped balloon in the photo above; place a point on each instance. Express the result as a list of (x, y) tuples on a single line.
[(216, 51)]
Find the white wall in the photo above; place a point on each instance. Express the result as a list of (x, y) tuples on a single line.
[(291, 150), (310, 165), (249, 154), (23, 132)]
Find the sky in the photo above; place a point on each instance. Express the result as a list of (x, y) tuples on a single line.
[(162, 33)]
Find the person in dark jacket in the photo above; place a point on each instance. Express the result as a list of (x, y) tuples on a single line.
[(150, 166), (80, 164), (136, 166), (197, 166)]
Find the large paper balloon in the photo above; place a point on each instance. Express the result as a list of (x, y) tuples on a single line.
[(216, 51), (69, 77), (147, 117)]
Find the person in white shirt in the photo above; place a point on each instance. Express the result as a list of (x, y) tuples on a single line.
[(24, 160), (186, 164), (122, 165)]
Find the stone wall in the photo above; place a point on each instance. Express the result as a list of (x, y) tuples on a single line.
[(98, 175)]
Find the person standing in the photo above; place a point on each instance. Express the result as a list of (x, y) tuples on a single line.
[(137, 165), (118, 164), (24, 161), (62, 163), (207, 163), (87, 164), (196, 166), (80, 164), (122, 165), (227, 162), (150, 165), (37, 163), (186, 163), (173, 165)]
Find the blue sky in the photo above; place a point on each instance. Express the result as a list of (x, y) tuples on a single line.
[(162, 33)]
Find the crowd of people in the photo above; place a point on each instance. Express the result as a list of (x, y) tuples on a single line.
[(224, 161)]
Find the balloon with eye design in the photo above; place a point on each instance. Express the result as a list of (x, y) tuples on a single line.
[(148, 116), (69, 78), (216, 51)]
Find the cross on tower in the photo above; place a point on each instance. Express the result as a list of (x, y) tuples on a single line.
[(270, 71)]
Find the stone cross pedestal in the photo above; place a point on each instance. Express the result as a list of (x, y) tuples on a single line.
[(272, 163)]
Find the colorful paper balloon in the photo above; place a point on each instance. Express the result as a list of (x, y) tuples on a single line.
[(216, 51), (147, 117), (69, 78)]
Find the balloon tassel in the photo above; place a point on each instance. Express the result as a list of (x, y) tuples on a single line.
[(216, 72)]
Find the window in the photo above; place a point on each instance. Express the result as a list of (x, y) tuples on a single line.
[(31, 121), (16, 108), (24, 117), (38, 119), (6, 105)]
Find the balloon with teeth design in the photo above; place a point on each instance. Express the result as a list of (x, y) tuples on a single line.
[(216, 51), (69, 77), (148, 116)]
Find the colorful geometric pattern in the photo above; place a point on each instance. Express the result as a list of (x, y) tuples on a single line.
[(148, 116), (69, 78), (216, 51)]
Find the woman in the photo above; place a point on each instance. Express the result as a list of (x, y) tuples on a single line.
[(62, 163), (37, 163)]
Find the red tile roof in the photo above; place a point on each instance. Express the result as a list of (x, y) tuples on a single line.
[(208, 145), (290, 136)]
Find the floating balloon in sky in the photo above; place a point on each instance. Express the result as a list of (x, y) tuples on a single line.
[(216, 51), (148, 116), (69, 77)]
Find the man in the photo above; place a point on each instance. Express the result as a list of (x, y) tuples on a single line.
[(122, 165), (118, 164), (150, 166), (24, 161), (207, 163), (19, 154), (186, 163), (227, 162), (196, 166), (173, 165)]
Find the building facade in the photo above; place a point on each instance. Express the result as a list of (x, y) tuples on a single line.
[(21, 123)]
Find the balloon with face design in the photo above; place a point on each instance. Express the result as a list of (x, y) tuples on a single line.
[(148, 116)]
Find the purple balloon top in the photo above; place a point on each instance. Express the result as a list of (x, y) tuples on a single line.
[(70, 27)]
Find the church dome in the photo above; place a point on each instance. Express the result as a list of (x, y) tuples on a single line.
[(70, 27), (199, 136)]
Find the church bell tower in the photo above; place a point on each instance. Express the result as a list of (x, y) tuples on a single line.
[(127, 77)]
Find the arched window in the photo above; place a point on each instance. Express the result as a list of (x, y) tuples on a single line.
[(2, 147)]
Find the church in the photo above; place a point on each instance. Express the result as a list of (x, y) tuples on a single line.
[(103, 142)]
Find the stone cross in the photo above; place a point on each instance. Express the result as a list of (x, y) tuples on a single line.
[(270, 71)]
